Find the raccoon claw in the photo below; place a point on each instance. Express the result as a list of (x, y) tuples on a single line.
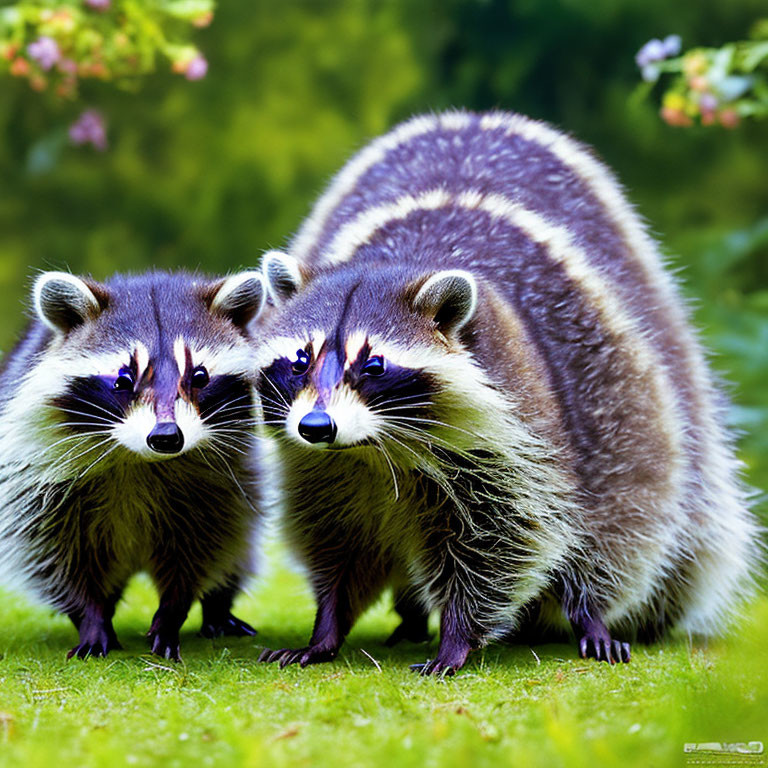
[(97, 649), (602, 648), (434, 668), (98, 646), (310, 654), (168, 648), (231, 626), (621, 651), (410, 632)]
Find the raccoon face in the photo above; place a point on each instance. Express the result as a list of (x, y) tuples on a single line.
[(359, 359), (157, 364)]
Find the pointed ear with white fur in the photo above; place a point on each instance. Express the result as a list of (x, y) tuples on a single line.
[(63, 301), (240, 298), (282, 275), (448, 298)]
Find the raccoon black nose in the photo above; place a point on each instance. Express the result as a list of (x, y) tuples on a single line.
[(166, 437), (318, 427)]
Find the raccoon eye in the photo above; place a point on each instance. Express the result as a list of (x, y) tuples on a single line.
[(301, 363), (374, 366), (124, 381), (200, 377)]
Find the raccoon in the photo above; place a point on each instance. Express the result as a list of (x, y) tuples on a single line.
[(127, 428), (486, 393)]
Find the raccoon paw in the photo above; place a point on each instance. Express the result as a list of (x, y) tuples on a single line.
[(165, 645), (230, 626), (413, 632), (599, 645), (99, 645), (310, 654), (436, 668)]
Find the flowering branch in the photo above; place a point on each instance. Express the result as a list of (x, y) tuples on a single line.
[(712, 86), (55, 45)]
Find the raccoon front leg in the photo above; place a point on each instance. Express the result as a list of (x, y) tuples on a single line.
[(333, 621), (415, 619), (466, 559), (458, 636), (172, 612), (342, 590), (94, 625), (218, 618)]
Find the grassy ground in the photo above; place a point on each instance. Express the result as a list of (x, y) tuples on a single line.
[(509, 706)]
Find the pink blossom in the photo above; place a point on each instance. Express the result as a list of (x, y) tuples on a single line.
[(197, 68), (708, 102), (68, 66), (89, 128), (45, 51), (99, 5), (657, 50), (672, 45), (654, 50)]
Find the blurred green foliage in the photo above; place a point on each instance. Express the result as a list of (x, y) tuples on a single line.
[(211, 173)]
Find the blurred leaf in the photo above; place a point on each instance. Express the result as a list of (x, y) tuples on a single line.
[(43, 155)]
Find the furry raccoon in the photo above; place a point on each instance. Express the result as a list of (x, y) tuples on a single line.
[(126, 422), (488, 395)]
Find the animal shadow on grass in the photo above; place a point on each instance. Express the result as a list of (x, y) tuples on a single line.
[(366, 650)]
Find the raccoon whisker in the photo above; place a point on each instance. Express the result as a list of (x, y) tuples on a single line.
[(383, 450), (412, 426), (80, 438), (425, 420), (93, 417), (90, 404), (271, 399), (95, 427), (222, 458), (389, 436), (410, 406), (276, 408), (240, 428), (435, 469), (67, 460), (274, 416), (79, 434), (231, 445), (387, 401), (228, 406), (277, 391), (100, 458), (244, 428), (274, 404), (429, 441)]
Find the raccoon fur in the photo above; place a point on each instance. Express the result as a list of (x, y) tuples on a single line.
[(486, 393), (127, 426)]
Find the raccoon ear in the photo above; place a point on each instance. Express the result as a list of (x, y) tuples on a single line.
[(63, 301), (282, 274), (239, 298), (449, 298)]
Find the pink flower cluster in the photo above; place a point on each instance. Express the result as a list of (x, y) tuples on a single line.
[(45, 51), (655, 51), (89, 128), (197, 69)]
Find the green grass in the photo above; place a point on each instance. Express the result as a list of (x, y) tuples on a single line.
[(509, 706)]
